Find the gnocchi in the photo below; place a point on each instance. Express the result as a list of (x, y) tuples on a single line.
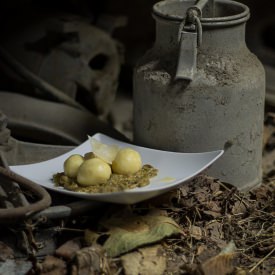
[(72, 164), (93, 171), (127, 162)]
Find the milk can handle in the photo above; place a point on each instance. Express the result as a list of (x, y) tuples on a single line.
[(190, 38)]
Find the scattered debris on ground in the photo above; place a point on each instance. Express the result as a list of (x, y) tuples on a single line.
[(204, 227)]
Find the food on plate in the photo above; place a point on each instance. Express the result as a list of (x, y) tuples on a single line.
[(89, 155), (127, 162), (93, 171), (104, 151), (72, 164), (107, 168)]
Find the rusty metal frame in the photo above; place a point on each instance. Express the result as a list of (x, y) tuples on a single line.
[(10, 215)]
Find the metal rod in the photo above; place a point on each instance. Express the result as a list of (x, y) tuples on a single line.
[(13, 186), (195, 11), (12, 215), (200, 4)]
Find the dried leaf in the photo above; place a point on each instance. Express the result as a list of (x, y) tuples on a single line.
[(139, 231), (91, 261), (261, 193), (215, 232), (150, 260), (53, 266), (68, 249), (212, 214), (200, 249), (187, 203), (195, 232), (6, 252), (201, 197), (215, 186), (220, 264), (239, 208), (184, 190), (128, 231), (91, 237), (213, 206), (240, 271)]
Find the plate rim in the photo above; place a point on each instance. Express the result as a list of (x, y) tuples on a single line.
[(137, 190)]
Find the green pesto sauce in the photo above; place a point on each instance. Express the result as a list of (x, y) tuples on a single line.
[(116, 182)]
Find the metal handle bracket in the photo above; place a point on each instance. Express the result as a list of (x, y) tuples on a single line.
[(190, 38), (187, 56)]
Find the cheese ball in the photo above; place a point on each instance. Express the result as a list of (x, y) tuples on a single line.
[(72, 164), (93, 171), (127, 162)]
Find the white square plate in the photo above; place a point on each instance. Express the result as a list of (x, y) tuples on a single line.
[(173, 170)]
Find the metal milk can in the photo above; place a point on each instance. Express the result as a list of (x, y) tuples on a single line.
[(200, 89)]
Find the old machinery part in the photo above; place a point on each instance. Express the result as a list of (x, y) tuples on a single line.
[(49, 122), (68, 52), (15, 213), (36, 81)]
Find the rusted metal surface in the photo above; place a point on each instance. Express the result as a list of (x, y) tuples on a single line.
[(13, 214), (16, 198)]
